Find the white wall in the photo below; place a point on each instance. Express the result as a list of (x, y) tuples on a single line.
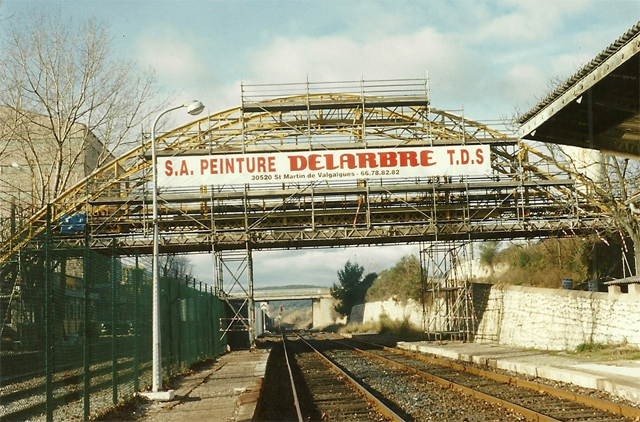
[(555, 319), (547, 319), (394, 310), (324, 314)]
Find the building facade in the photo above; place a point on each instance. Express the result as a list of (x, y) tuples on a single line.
[(39, 160)]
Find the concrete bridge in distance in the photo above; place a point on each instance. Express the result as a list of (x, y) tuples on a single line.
[(322, 303), (286, 293)]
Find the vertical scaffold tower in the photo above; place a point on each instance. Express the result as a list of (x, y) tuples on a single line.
[(234, 284), (448, 310)]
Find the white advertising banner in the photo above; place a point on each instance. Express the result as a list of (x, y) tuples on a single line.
[(218, 169)]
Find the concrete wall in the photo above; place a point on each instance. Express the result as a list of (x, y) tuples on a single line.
[(324, 314), (547, 319), (554, 319), (395, 310)]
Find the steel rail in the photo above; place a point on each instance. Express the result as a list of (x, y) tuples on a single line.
[(595, 403), (527, 413), (294, 390), (101, 385), (380, 407)]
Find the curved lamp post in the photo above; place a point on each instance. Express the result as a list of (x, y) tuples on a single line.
[(193, 108)]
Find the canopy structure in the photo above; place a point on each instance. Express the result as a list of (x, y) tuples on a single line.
[(598, 107)]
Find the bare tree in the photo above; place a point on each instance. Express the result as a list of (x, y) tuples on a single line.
[(67, 103), (606, 180), (176, 266)]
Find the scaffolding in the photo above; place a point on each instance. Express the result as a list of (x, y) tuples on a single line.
[(446, 289), (233, 274), (521, 198)]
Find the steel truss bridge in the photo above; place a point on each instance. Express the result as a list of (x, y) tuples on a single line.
[(524, 197)]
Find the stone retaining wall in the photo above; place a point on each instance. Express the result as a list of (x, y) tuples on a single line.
[(554, 319), (546, 319)]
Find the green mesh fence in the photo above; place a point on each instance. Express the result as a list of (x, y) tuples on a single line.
[(76, 329)]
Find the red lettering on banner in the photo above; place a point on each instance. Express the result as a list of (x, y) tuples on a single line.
[(229, 165), (204, 164), (251, 164), (184, 170), (426, 158), (479, 156), (239, 160), (337, 164), (408, 158), (388, 159), (451, 152), (314, 162), (330, 165), (262, 165), (464, 156), (348, 161), (367, 160), (297, 163)]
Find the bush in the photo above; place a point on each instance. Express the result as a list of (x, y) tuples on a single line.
[(386, 326), (403, 282), (590, 347)]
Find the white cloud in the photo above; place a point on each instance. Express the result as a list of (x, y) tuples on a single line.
[(174, 57), (521, 81), (513, 22), (340, 58)]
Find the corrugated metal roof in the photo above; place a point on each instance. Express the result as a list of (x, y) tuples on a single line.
[(583, 72), (629, 280)]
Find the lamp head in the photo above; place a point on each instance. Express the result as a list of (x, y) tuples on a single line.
[(194, 107)]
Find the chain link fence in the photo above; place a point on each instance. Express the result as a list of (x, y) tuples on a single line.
[(77, 329)]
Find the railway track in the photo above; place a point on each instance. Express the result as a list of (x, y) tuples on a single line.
[(534, 401), (27, 399), (323, 391)]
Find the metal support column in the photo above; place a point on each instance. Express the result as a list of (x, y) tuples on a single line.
[(86, 344), (250, 302), (114, 325), (48, 283)]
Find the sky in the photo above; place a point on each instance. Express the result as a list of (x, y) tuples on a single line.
[(491, 59)]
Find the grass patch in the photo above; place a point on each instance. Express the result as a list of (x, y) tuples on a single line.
[(386, 326), (355, 328), (590, 347), (600, 351)]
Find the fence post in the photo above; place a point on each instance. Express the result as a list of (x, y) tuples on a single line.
[(136, 341), (87, 327), (197, 322), (48, 317), (209, 320), (202, 336), (168, 354), (114, 326)]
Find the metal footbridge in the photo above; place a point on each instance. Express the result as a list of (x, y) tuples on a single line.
[(525, 196)]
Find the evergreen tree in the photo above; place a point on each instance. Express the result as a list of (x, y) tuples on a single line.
[(352, 288)]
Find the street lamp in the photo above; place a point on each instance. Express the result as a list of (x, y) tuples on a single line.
[(193, 108)]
